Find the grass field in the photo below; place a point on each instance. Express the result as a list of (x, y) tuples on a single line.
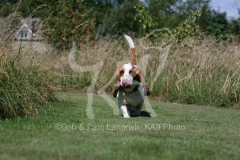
[(178, 132)]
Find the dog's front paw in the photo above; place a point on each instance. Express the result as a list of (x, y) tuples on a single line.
[(126, 116), (125, 112)]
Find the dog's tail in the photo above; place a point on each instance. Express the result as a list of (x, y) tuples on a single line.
[(132, 47)]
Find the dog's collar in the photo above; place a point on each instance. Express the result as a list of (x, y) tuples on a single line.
[(134, 90)]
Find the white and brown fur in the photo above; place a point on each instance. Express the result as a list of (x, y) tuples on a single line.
[(131, 88)]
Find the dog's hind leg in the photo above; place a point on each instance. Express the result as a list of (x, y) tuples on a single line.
[(137, 111)]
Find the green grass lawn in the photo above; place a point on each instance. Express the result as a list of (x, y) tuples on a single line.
[(178, 132)]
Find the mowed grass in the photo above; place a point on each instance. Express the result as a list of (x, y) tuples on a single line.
[(178, 132)]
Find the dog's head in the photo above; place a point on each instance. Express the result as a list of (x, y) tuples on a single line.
[(129, 76)]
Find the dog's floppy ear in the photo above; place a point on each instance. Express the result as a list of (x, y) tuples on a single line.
[(119, 74), (141, 77)]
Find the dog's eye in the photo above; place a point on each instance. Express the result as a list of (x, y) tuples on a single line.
[(130, 71)]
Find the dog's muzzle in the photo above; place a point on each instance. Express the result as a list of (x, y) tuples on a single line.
[(126, 81)]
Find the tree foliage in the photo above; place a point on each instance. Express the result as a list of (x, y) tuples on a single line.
[(144, 18), (121, 18), (188, 27), (71, 21), (116, 17)]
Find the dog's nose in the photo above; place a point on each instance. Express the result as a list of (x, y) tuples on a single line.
[(126, 83)]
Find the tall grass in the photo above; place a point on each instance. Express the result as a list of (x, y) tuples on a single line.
[(197, 71), (24, 86), (206, 72), (106, 50)]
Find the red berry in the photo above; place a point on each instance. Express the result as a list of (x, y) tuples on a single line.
[(71, 15), (63, 36)]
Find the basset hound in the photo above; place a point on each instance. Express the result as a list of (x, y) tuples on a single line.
[(130, 89)]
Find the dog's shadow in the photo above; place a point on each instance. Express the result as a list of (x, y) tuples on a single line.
[(142, 114)]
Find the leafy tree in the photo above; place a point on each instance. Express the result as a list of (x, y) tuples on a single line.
[(71, 21), (119, 16), (144, 18), (166, 13), (234, 26), (103, 10), (214, 22), (35, 8), (188, 27), (121, 19), (6, 8), (190, 6)]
